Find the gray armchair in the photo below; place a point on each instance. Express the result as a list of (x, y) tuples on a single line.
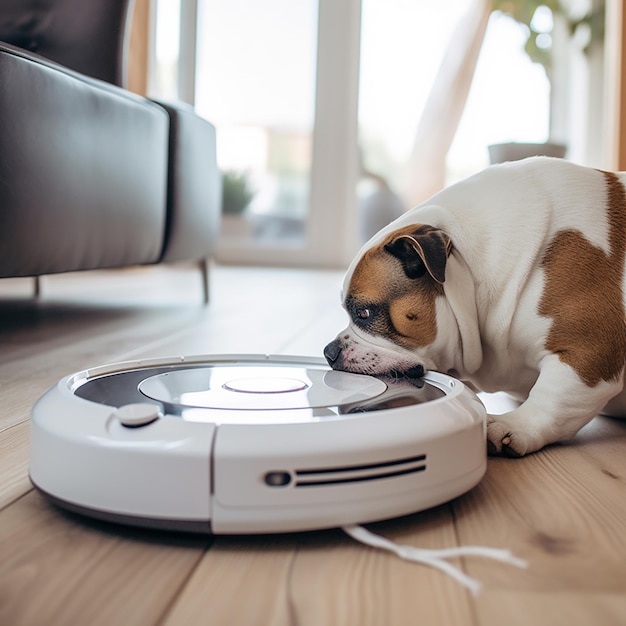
[(91, 175)]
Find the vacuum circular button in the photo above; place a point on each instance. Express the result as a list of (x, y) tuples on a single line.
[(138, 414)]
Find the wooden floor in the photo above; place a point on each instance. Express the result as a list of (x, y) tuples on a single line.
[(563, 509)]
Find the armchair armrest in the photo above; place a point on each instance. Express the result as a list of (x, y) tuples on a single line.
[(83, 171), (194, 187)]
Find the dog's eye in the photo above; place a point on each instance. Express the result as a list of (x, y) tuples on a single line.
[(363, 314)]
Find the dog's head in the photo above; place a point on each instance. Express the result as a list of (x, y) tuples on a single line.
[(393, 295)]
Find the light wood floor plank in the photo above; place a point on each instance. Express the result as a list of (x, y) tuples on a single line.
[(14, 481), (239, 581), (554, 509), (564, 608), (364, 586), (57, 569)]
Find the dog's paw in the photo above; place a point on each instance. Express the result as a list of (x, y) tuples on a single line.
[(503, 440)]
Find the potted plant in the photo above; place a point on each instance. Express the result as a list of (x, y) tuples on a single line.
[(539, 17), (237, 194)]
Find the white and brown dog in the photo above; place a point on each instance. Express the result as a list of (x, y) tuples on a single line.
[(512, 280)]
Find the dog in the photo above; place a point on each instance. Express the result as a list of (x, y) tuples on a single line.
[(511, 280)]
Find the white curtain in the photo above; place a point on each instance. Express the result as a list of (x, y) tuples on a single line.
[(444, 106)]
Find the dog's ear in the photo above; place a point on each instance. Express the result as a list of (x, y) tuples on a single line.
[(424, 250)]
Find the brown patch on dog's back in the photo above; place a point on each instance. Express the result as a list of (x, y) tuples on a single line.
[(583, 296), (378, 278)]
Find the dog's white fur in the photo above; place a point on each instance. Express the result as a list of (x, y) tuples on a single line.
[(489, 331)]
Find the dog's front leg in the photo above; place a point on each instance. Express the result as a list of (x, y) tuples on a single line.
[(558, 406)]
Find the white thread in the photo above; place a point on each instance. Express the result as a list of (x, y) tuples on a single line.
[(436, 558)]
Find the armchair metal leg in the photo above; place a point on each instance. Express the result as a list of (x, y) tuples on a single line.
[(37, 287), (205, 269)]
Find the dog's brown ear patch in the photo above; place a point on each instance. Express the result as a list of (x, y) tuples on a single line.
[(421, 250)]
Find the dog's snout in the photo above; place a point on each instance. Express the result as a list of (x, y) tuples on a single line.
[(332, 351)]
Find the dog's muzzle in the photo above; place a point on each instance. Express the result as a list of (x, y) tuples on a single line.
[(333, 351)]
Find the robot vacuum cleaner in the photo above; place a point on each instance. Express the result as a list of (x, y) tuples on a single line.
[(253, 444)]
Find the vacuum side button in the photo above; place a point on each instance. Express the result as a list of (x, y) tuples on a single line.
[(277, 479), (138, 414)]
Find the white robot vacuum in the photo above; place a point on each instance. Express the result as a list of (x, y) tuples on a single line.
[(253, 444)]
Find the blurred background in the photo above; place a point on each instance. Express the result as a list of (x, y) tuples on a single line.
[(335, 116)]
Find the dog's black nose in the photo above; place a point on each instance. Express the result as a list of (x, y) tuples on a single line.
[(332, 351), (415, 372)]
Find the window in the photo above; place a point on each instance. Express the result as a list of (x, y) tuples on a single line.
[(255, 80), (316, 105)]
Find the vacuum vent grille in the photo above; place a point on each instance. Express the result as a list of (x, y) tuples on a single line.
[(360, 473)]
